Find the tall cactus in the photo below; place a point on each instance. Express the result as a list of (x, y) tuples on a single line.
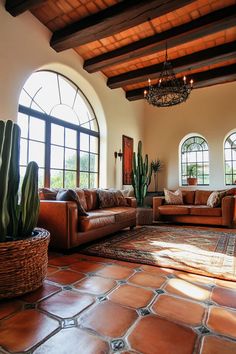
[(16, 220), (141, 175)]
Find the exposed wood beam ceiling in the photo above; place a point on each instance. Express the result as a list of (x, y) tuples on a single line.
[(125, 39)]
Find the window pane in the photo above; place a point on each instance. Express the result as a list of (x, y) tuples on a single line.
[(57, 157), (56, 178), (93, 163), (22, 121), (228, 179), (22, 175), (84, 161), (41, 177), (71, 138), (84, 180), (93, 144), (67, 91), (70, 179), (84, 142), (93, 180), (23, 152), (57, 134), (65, 113), (70, 159), (37, 129), (37, 153)]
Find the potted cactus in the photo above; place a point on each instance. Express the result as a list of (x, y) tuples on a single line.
[(141, 175), (23, 248)]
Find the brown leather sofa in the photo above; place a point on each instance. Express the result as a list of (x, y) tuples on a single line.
[(70, 229), (194, 209)]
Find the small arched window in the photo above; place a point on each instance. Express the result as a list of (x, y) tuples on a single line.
[(230, 159), (195, 160), (59, 131)]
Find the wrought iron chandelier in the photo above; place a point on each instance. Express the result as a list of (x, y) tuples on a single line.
[(169, 90)]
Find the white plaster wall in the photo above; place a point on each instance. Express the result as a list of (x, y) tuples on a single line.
[(24, 48), (210, 112)]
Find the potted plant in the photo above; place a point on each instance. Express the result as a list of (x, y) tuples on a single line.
[(23, 248), (192, 171), (141, 175), (156, 166)]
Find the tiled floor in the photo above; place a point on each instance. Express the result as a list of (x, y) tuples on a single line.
[(92, 305)]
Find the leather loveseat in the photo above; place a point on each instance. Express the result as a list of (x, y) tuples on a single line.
[(69, 227), (195, 210)]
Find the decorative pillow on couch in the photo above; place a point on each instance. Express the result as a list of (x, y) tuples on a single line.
[(215, 198), (110, 198), (47, 193), (173, 197), (69, 195)]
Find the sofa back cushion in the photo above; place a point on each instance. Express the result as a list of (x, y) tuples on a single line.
[(81, 195), (47, 193), (188, 197), (201, 197), (91, 199)]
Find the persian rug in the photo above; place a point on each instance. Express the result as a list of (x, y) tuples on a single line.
[(210, 253)]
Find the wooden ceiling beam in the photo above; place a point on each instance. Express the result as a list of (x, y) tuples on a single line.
[(214, 22), (196, 60), (114, 19), (206, 78), (16, 7)]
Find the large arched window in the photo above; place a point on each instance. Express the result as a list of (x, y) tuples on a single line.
[(59, 131), (230, 159), (195, 160)]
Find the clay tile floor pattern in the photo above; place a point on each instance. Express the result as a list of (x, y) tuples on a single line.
[(94, 305)]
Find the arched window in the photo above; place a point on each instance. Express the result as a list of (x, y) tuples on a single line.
[(195, 160), (59, 131), (230, 159)]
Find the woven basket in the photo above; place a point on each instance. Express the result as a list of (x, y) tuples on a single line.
[(23, 264)]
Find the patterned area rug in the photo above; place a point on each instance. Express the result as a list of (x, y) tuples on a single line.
[(210, 253)]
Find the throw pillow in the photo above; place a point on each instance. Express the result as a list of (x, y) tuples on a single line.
[(215, 199), (106, 198), (47, 194), (119, 198), (173, 197), (69, 195)]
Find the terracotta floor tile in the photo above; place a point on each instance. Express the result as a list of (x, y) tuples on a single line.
[(51, 270), (115, 272), (226, 283), (73, 341), (66, 303), (222, 321), (179, 309), (96, 285), (157, 270), (131, 296), (156, 335), (127, 264), (7, 307), (44, 291), (65, 277), (217, 345), (85, 257), (186, 289), (86, 266), (25, 329), (63, 260), (114, 320), (147, 279), (224, 297)]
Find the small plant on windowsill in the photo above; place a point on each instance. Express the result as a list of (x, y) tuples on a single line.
[(192, 172)]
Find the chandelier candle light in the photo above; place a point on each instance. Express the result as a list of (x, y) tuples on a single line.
[(170, 90)]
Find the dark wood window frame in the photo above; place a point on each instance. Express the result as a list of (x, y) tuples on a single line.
[(230, 175)]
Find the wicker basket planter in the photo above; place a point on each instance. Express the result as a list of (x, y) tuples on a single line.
[(23, 264)]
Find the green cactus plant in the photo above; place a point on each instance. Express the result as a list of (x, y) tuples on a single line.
[(17, 219), (141, 175)]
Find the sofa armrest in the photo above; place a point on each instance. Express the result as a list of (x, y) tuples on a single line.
[(228, 210), (61, 220), (157, 201), (131, 201)]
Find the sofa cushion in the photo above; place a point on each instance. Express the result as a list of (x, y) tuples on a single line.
[(215, 199), (96, 219), (91, 198), (201, 197), (231, 191), (110, 198), (173, 210), (81, 195), (47, 193), (123, 213), (173, 197), (70, 195), (204, 210), (188, 197)]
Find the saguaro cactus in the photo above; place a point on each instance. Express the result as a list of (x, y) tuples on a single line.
[(16, 219), (141, 175)]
